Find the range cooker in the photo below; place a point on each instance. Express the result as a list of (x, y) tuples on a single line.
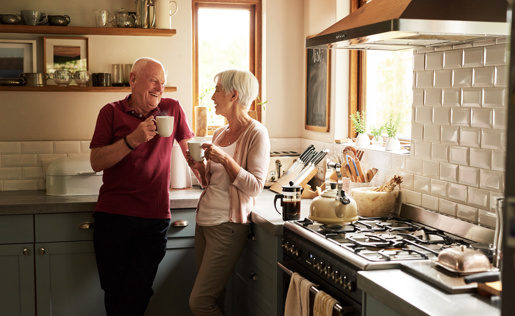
[(331, 255)]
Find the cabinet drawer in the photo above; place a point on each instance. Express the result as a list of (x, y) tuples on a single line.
[(16, 229), (64, 227), (267, 246), (182, 217)]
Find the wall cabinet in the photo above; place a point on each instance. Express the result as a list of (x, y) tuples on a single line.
[(257, 281), (48, 267)]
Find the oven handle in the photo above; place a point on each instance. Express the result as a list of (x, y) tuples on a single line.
[(337, 307)]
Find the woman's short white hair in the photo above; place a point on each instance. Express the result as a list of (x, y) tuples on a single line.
[(242, 81)]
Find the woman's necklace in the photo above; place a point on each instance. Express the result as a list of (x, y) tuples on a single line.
[(235, 133)]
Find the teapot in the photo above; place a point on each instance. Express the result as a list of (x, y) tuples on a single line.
[(333, 206), (125, 19), (10, 18), (58, 20)]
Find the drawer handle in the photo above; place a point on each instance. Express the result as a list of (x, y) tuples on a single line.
[(180, 223), (42, 251), (86, 225), (26, 251), (253, 276)]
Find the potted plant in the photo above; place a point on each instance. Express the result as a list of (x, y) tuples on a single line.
[(391, 128), (359, 124), (377, 132)]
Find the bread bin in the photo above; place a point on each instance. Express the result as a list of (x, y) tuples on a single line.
[(72, 176)]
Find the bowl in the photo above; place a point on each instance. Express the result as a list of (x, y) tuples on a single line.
[(374, 204)]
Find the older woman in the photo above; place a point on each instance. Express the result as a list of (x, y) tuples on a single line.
[(233, 174)]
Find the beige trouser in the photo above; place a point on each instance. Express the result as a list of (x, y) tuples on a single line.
[(217, 249)]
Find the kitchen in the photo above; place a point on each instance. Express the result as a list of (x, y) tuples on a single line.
[(26, 139)]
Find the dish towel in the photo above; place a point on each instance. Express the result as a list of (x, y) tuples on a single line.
[(297, 299), (324, 304)]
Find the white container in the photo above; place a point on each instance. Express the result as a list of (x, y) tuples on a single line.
[(72, 176)]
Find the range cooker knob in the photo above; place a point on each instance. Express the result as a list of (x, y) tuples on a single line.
[(328, 270), (337, 278), (349, 286), (285, 244)]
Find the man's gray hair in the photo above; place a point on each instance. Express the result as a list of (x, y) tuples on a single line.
[(242, 81)]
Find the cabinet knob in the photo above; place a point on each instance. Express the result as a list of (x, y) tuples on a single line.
[(86, 225), (253, 276), (42, 251), (180, 223), (26, 251)]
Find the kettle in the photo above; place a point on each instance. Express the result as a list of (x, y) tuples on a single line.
[(124, 19), (333, 206)]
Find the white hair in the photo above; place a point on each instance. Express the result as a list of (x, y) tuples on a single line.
[(242, 81)]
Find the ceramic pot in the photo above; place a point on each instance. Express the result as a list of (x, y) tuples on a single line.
[(392, 144), (362, 140)]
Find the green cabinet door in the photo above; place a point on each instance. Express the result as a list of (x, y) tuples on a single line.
[(17, 280), (67, 280)]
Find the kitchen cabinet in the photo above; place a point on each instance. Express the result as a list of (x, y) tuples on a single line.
[(48, 266), (75, 30), (257, 281)]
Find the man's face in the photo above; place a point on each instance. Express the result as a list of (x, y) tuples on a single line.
[(148, 87)]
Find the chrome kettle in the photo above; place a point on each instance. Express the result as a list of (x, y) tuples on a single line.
[(145, 14)]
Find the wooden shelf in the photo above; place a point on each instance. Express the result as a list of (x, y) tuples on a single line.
[(74, 89), (80, 30)]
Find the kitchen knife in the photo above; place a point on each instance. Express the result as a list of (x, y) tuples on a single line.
[(311, 166), (302, 159), (482, 277)]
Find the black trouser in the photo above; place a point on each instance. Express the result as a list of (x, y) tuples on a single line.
[(128, 251)]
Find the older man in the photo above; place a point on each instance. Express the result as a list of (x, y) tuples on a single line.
[(132, 214)]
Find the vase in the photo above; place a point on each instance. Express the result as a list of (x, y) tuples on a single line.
[(362, 140), (392, 144), (378, 141), (201, 121)]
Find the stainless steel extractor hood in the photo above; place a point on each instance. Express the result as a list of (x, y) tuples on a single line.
[(405, 24)]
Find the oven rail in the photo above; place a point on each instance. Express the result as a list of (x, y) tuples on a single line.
[(337, 309)]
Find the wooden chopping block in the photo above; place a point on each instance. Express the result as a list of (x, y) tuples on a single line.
[(489, 288), (285, 180), (308, 177), (308, 193)]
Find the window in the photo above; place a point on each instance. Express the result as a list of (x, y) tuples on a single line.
[(226, 35), (381, 83)]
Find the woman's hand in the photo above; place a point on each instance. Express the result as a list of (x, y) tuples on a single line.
[(214, 153), (198, 165)]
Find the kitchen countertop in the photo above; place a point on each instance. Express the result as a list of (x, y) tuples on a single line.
[(409, 295)]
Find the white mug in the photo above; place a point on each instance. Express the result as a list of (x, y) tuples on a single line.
[(195, 148), (164, 125)]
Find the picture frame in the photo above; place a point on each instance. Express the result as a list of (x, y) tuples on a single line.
[(318, 89), (17, 57), (69, 53)]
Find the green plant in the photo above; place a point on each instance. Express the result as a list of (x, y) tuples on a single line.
[(261, 103), (392, 124), (359, 122), (204, 93), (377, 131)]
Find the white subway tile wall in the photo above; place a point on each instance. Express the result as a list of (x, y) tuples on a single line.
[(22, 164)]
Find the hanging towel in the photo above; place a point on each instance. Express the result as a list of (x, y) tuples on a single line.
[(297, 299), (324, 304)]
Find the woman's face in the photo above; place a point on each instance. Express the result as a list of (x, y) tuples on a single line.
[(223, 101)]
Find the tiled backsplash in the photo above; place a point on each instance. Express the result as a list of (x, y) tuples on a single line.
[(22, 164)]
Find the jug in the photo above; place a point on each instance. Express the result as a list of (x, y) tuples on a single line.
[(333, 206), (124, 19), (290, 201), (62, 77), (163, 13), (145, 16)]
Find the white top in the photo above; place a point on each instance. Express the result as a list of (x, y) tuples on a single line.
[(213, 208)]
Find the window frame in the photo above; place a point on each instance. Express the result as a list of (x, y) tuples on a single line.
[(255, 49)]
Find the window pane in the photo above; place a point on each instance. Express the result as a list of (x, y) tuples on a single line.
[(224, 42), (389, 88)]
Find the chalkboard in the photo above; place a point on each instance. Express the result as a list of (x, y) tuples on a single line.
[(317, 90)]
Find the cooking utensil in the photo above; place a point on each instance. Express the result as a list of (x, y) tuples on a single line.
[(370, 174), (353, 168), (360, 171), (292, 173), (359, 154), (349, 150), (482, 277)]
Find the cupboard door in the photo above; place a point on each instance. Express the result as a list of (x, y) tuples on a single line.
[(17, 280), (174, 280), (67, 280)]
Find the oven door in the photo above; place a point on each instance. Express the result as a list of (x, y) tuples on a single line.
[(346, 306)]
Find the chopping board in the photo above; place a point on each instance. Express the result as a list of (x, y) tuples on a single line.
[(489, 288), (444, 280)]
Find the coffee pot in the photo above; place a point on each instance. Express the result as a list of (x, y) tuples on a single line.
[(290, 201), (145, 14), (333, 206)]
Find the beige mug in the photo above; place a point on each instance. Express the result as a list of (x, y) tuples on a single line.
[(195, 148), (164, 125)]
